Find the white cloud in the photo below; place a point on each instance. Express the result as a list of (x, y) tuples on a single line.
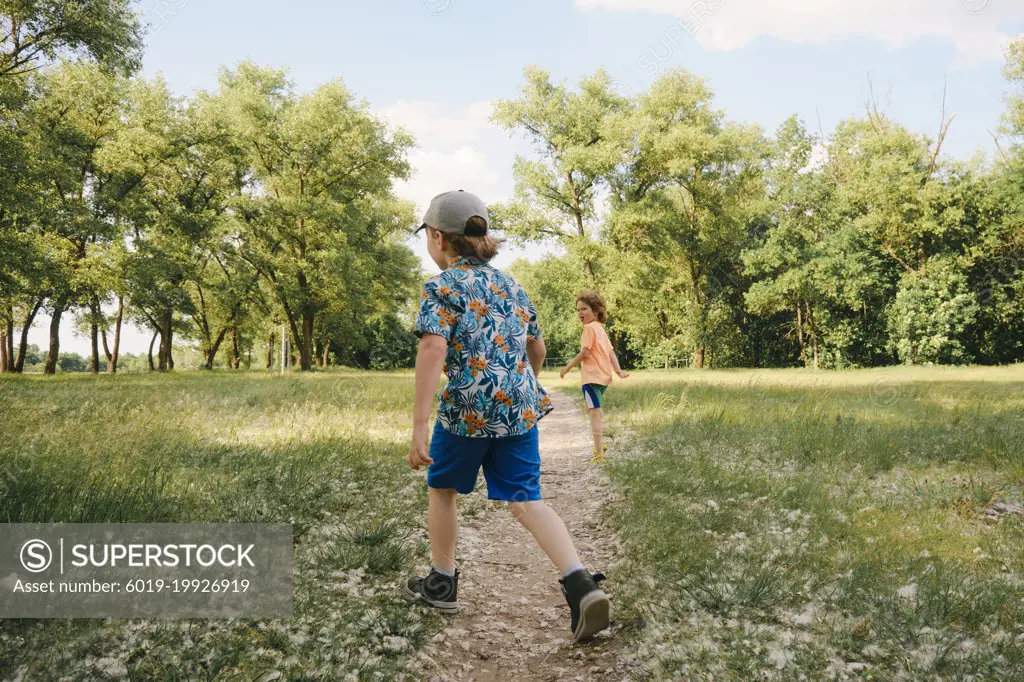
[(450, 150), (975, 27), (454, 150), (433, 127), (439, 171)]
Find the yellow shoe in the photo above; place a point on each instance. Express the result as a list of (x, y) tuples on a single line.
[(598, 459)]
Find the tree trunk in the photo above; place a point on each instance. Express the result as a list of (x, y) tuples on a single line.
[(156, 333), (695, 275), (106, 345), (19, 362), (94, 335), (211, 352), (112, 356), (813, 331), (54, 352), (164, 362), (800, 332), (306, 341), (103, 336), (235, 359), (9, 345), (270, 351), (327, 355), (318, 350), (6, 337)]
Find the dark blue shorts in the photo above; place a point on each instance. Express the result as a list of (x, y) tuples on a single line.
[(511, 464), (593, 395)]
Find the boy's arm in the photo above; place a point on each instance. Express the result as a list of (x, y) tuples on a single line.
[(429, 363), (615, 364), (580, 357), (536, 351)]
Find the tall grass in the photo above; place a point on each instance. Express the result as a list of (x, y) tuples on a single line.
[(322, 451), (796, 525)]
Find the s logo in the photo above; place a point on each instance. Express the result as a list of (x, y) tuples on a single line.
[(36, 556)]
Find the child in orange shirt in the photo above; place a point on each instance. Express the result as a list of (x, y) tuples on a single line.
[(597, 361)]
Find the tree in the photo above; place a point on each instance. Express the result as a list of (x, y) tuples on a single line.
[(931, 314), (379, 286), (320, 192), (223, 294), (35, 32), (994, 266), (552, 284), (995, 263), (72, 362), (1013, 71), (811, 264), (787, 257), (96, 136), (916, 208), (556, 194), (187, 272), (21, 277), (686, 198)]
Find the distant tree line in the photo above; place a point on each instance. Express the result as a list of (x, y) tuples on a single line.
[(216, 219), (35, 360), (723, 246)]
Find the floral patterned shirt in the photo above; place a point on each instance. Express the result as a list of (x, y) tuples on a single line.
[(487, 320)]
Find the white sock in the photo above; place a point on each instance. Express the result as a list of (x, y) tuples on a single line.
[(445, 571), (572, 569)]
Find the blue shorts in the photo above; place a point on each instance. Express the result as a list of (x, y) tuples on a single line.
[(593, 395), (511, 464)]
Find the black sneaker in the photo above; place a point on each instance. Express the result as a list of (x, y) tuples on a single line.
[(440, 591), (588, 604)]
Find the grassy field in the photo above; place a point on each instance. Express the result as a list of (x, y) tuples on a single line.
[(322, 451), (791, 525), (779, 524)]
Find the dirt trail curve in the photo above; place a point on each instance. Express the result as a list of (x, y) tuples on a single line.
[(514, 622)]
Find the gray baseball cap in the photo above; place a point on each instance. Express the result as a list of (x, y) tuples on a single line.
[(450, 212)]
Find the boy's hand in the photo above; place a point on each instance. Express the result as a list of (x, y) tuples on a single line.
[(565, 370), (419, 451), (623, 374)]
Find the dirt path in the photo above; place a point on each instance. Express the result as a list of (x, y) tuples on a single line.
[(514, 622)]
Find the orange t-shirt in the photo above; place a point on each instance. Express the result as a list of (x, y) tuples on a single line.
[(597, 368)]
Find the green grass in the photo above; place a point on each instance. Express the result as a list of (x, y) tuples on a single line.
[(323, 452), (798, 525), (779, 524)]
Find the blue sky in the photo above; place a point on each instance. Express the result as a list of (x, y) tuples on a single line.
[(434, 65)]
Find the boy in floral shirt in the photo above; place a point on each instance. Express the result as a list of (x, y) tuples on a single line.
[(480, 326)]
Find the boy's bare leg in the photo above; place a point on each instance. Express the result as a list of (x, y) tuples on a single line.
[(548, 530), (442, 527), (597, 429)]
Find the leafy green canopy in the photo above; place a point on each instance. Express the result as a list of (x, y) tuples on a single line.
[(718, 245)]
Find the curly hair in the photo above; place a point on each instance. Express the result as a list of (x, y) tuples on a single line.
[(595, 302)]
